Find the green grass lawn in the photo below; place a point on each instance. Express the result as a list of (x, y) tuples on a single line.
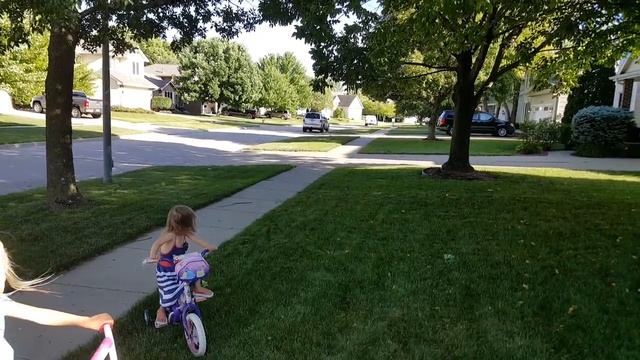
[(418, 146), (14, 129), (305, 143), (385, 264), (198, 122), (411, 130), (137, 202), (355, 131)]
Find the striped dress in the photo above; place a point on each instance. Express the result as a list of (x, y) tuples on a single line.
[(168, 284)]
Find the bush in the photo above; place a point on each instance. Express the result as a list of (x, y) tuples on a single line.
[(529, 148), (565, 136), (339, 114), (119, 108), (600, 131), (159, 103), (538, 137)]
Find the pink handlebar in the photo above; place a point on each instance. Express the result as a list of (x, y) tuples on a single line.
[(107, 346)]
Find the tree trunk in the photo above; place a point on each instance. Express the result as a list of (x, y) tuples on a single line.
[(61, 180), (498, 108), (465, 104), (514, 110), (432, 128), (508, 111)]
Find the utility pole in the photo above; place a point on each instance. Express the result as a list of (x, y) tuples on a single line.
[(107, 159)]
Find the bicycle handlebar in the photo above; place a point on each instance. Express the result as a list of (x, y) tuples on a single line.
[(107, 346), (204, 254)]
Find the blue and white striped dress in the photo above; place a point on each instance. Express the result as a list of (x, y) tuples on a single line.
[(168, 284)]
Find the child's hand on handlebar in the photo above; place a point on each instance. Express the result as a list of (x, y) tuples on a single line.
[(97, 322)]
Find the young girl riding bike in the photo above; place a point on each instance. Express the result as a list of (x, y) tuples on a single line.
[(180, 228)]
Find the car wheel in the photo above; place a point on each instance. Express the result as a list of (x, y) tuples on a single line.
[(502, 132), (95, 116), (76, 113), (37, 107), (450, 131), (304, 129)]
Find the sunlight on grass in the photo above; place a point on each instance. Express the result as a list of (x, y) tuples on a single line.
[(305, 143), (536, 264), (439, 147)]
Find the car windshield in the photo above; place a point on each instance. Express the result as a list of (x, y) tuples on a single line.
[(312, 116)]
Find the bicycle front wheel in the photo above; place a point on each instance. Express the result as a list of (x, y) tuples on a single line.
[(195, 335)]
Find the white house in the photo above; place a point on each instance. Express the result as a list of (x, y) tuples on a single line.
[(536, 105), (627, 79), (351, 105), (129, 87)]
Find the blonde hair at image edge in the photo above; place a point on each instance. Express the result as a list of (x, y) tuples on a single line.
[(8, 275), (181, 220)]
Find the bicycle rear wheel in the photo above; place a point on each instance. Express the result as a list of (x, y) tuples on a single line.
[(195, 335)]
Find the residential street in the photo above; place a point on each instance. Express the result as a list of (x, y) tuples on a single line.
[(24, 164)]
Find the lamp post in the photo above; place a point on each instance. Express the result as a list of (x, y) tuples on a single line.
[(107, 158)]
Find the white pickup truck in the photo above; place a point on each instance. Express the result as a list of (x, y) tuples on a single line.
[(81, 105)]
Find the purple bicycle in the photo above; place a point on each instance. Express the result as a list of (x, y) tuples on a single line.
[(189, 268)]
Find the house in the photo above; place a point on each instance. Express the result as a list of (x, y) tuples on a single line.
[(129, 86), (350, 104), (162, 76), (503, 109), (627, 79), (535, 105)]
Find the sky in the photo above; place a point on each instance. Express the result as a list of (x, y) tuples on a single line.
[(279, 39)]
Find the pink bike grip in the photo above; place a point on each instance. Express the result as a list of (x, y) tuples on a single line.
[(107, 346)]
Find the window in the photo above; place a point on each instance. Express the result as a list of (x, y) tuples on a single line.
[(484, 117), (168, 94), (136, 68)]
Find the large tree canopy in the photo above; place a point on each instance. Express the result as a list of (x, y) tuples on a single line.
[(285, 85), (477, 40), (88, 23), (219, 70)]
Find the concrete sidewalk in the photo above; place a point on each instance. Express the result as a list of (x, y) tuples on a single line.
[(115, 281)]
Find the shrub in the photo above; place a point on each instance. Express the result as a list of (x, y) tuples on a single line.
[(600, 131), (527, 147), (119, 108), (565, 136), (538, 137), (339, 113), (160, 103)]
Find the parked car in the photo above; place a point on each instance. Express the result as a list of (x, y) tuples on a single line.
[(82, 105), (282, 114), (370, 120), (250, 113), (482, 123), (315, 121)]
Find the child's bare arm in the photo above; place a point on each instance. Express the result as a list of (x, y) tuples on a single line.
[(198, 240), (55, 318), (155, 248)]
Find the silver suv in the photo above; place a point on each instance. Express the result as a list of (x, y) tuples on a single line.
[(315, 121)]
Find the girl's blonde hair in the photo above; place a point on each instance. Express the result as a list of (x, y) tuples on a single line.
[(15, 281), (181, 220)]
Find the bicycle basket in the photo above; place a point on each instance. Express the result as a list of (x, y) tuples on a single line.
[(192, 267)]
